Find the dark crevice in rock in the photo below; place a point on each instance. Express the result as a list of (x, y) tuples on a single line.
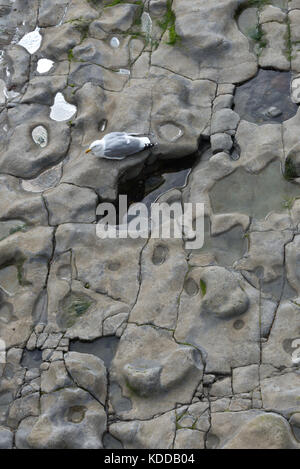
[(156, 179)]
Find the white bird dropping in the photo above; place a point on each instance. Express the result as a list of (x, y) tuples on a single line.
[(31, 41), (44, 65), (61, 110), (114, 42)]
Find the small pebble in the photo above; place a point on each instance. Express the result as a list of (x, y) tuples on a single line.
[(273, 112)]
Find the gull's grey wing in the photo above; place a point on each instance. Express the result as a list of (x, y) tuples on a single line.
[(112, 135), (121, 146)]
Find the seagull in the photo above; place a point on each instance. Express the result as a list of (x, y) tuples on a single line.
[(119, 145)]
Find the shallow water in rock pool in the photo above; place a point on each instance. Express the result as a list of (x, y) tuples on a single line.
[(226, 248), (269, 89), (104, 348), (32, 359), (157, 179), (245, 192)]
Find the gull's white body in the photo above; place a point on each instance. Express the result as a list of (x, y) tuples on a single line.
[(119, 145)]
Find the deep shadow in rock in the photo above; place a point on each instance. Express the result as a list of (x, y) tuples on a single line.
[(31, 358), (157, 179), (104, 348)]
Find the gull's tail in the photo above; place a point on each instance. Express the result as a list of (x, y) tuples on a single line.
[(146, 142)]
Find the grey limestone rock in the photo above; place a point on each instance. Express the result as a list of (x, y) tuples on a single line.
[(199, 347)]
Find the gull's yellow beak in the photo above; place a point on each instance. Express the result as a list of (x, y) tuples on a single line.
[(87, 151)]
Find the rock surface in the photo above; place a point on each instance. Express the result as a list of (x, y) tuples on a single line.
[(149, 342)]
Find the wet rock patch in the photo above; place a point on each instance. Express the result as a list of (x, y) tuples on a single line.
[(244, 192), (157, 179), (256, 99)]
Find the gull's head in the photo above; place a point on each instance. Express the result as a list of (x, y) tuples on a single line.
[(97, 148)]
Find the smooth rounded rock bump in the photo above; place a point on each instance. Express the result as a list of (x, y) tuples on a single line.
[(296, 90), (6, 438), (142, 379), (89, 372), (295, 424), (221, 142), (224, 120), (247, 20), (224, 298), (273, 111), (265, 431)]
